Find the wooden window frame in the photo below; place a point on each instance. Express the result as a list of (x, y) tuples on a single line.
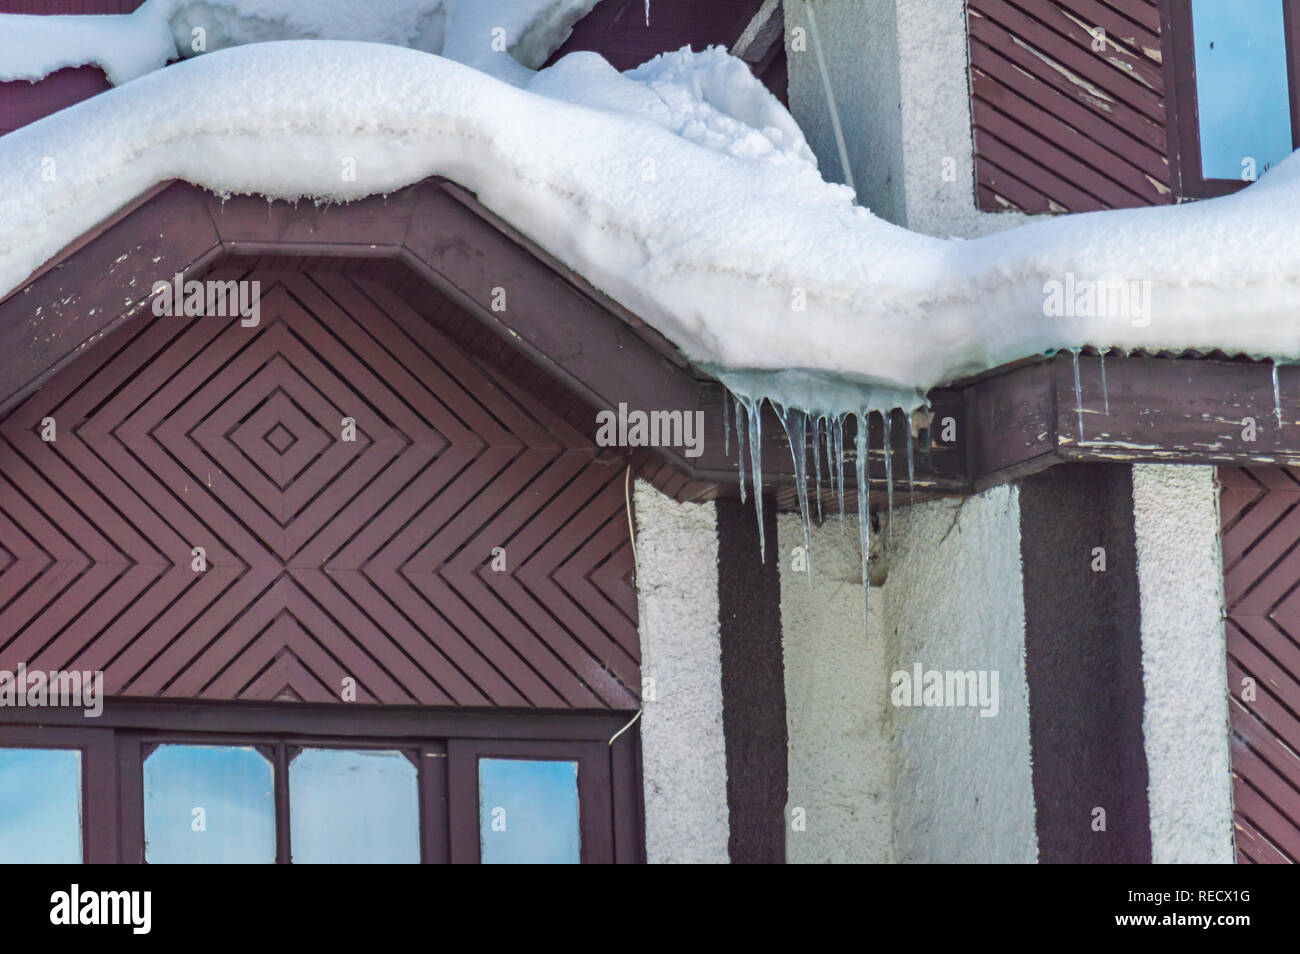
[(1182, 112), (595, 804), (279, 751), (99, 797), (445, 747)]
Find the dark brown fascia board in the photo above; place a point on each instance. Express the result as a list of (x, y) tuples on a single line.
[(98, 282), (1183, 410), (104, 279), (1010, 422), (320, 719), (602, 352)]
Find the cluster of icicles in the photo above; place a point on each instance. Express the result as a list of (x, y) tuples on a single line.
[(824, 434)]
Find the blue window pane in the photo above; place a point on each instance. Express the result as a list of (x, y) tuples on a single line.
[(528, 811), (40, 806), (353, 807), (1242, 94), (208, 804)]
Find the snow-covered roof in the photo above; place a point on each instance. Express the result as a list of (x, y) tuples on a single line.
[(130, 45), (683, 190)]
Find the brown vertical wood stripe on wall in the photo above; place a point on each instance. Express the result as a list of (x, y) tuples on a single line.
[(1058, 125), (1260, 509), (326, 559), (1083, 665)]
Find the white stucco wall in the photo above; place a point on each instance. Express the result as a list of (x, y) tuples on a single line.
[(880, 783), (1185, 720), (934, 67), (684, 760), (900, 73), (954, 600), (837, 702)]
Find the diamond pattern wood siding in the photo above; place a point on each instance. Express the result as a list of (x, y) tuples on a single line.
[(1261, 562), (325, 558), (1059, 126)]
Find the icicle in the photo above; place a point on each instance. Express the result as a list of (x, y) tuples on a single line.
[(830, 464), (1277, 396), (647, 12), (795, 423), (1105, 393), (817, 462), (911, 466), (864, 527), (1078, 392), (740, 447), (889, 469), (754, 410), (726, 424), (838, 464)]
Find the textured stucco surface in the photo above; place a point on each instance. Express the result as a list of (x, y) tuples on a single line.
[(684, 760), (837, 702), (1185, 721), (934, 67), (859, 41), (963, 789), (900, 72)]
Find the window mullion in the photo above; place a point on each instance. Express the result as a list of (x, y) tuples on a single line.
[(283, 850), (1291, 20)]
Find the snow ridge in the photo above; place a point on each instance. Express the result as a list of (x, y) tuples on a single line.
[(128, 46), (683, 190)]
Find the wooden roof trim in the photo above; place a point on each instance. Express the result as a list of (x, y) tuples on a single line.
[(758, 41), (596, 348), (1010, 422), (177, 227), (1161, 409)]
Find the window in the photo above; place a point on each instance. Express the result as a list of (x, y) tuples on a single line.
[(208, 804), (1236, 109), (40, 806), (226, 804), (58, 791), (215, 784), (528, 811), (353, 806), (514, 802)]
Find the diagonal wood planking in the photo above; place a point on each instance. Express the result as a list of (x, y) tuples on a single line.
[(1260, 509), (1068, 105), (326, 559)]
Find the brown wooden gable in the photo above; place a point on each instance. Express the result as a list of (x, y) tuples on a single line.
[(325, 559), (434, 231)]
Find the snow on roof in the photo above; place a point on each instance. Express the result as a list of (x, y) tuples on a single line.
[(686, 192), (130, 45)]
